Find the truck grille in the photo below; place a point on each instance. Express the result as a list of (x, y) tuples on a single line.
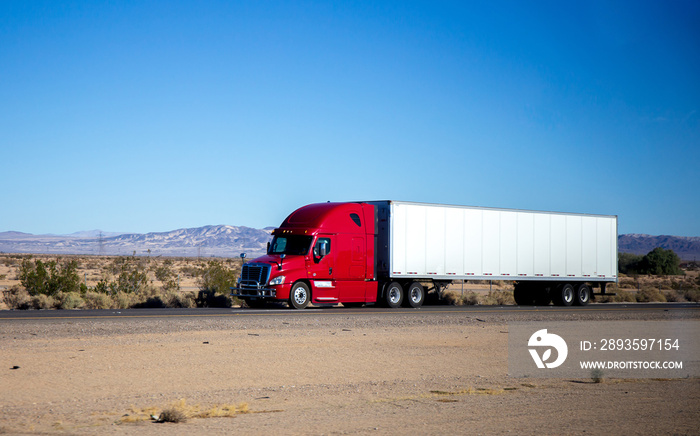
[(255, 275)]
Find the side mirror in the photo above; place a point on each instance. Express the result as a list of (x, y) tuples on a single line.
[(323, 249), (268, 247)]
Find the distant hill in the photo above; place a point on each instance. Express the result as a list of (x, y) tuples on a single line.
[(230, 241), (687, 248), (221, 241)]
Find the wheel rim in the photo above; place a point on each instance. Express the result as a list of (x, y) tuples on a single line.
[(568, 295), (300, 295), (394, 295), (584, 295), (416, 295)]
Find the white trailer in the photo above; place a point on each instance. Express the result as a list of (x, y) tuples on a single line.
[(550, 255)]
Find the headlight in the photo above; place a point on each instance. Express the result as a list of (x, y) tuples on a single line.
[(277, 281)]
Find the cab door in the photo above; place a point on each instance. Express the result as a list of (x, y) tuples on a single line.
[(320, 271), (351, 268)]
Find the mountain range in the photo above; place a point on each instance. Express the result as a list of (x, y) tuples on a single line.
[(687, 248), (207, 241), (230, 241)]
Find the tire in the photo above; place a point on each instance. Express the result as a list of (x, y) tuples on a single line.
[(415, 295), (393, 296), (564, 295), (583, 295), (299, 296)]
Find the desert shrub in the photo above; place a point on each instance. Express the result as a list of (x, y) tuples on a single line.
[(131, 275), (215, 282), (210, 298), (619, 297), (673, 296), (43, 302), (454, 298), (692, 295), (172, 414), (165, 274), (471, 299), (627, 283), (104, 287), (134, 281), (215, 276), (649, 294), (17, 298), (190, 270), (499, 298), (94, 300), (152, 302), (69, 300), (157, 299), (49, 278), (123, 300), (185, 300)]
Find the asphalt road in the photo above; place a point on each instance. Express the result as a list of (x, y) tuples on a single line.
[(637, 309)]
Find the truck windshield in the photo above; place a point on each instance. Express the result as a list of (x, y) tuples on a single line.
[(290, 244)]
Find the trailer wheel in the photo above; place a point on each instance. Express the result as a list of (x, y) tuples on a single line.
[(394, 295), (415, 295), (583, 295), (300, 296), (564, 295)]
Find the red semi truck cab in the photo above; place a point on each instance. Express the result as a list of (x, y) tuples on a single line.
[(322, 253)]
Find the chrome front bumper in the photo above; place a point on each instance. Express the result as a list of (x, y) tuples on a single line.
[(253, 292)]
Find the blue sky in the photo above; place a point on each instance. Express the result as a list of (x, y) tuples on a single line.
[(158, 115)]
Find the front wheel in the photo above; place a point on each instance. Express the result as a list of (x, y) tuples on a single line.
[(394, 295), (300, 296), (415, 295)]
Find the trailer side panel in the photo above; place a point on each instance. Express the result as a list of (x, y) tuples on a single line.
[(460, 242)]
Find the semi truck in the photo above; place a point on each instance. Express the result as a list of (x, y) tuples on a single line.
[(393, 253)]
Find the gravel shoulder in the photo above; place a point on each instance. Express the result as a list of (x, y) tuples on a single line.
[(309, 374)]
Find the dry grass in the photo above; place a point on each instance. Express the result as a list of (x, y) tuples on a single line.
[(646, 289), (449, 396), (181, 411), (471, 298)]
